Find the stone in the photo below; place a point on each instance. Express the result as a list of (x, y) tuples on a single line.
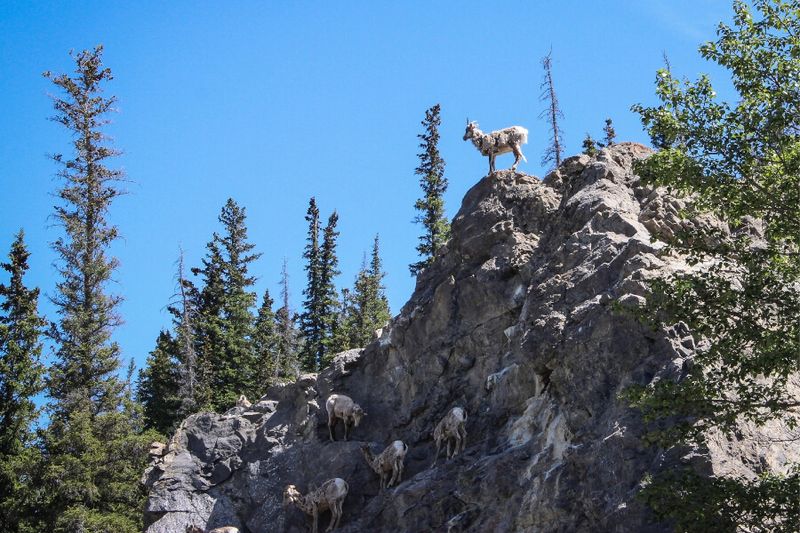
[(515, 320)]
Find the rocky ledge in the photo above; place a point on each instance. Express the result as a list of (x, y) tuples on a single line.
[(515, 322)]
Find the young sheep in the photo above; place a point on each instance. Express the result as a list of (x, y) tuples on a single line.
[(329, 496), (341, 406), (224, 529), (450, 428), (389, 461), (498, 142), (243, 402)]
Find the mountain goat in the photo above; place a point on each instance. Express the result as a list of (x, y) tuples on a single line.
[(451, 428), (341, 406), (329, 496), (387, 464), (498, 142)]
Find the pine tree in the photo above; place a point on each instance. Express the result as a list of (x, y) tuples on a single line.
[(225, 318), (286, 349), (311, 324), (434, 185), (609, 132), (329, 305), (265, 341), (21, 378), (589, 146), (95, 445), (158, 384), (552, 156)]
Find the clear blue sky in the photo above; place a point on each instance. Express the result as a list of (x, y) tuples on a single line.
[(273, 102)]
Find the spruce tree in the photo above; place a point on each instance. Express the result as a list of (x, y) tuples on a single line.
[(311, 324), (158, 384), (94, 443), (328, 296), (225, 317), (609, 132), (191, 392), (552, 112), (265, 341), (21, 378), (589, 146), (434, 185)]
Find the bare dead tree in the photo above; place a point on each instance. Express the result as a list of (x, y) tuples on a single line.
[(553, 153)]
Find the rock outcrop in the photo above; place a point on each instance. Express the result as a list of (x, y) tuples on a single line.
[(516, 322)]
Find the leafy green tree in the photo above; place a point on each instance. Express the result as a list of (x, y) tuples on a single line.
[(589, 146), (21, 378), (95, 444), (741, 163), (434, 185), (158, 384)]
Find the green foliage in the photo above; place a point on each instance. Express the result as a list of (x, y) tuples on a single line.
[(609, 132), (21, 374), (157, 388), (94, 449), (225, 321), (265, 342), (365, 308), (589, 146), (320, 318), (434, 185), (740, 162), (287, 344)]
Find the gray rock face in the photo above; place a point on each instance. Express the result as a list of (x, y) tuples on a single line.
[(514, 322)]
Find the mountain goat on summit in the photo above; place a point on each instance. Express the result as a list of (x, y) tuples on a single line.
[(498, 142), (341, 406)]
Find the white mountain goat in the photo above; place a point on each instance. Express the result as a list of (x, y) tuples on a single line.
[(330, 495), (388, 462), (451, 428), (498, 142), (341, 406)]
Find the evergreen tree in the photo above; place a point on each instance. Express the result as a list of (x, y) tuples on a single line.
[(434, 185), (21, 378), (552, 156), (265, 341), (158, 385), (225, 319), (286, 350), (736, 161), (329, 305), (609, 132), (311, 325), (589, 146), (95, 446)]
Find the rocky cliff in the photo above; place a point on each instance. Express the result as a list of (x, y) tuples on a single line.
[(514, 321)]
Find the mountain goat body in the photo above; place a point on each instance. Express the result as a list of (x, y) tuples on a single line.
[(341, 406), (389, 461), (330, 495), (498, 142), (451, 428)]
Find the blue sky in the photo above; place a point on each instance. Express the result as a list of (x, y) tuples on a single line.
[(273, 102)]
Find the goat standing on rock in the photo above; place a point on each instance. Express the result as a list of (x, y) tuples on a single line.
[(498, 142), (389, 461), (451, 428), (330, 495), (341, 406)]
